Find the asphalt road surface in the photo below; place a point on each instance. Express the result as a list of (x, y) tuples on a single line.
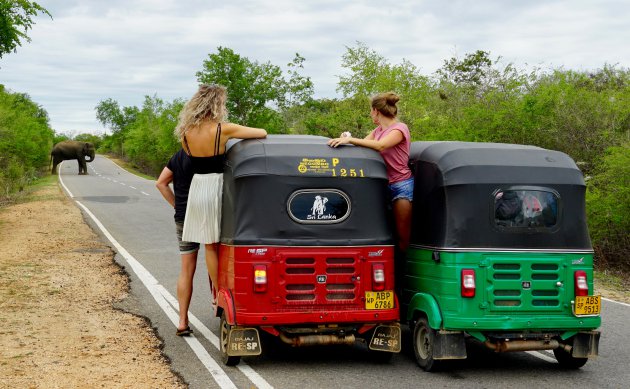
[(132, 216)]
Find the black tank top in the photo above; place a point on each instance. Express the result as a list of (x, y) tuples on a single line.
[(205, 165)]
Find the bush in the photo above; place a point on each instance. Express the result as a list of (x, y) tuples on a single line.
[(608, 208)]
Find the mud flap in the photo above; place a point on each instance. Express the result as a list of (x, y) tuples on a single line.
[(449, 345), (585, 344), (386, 338), (243, 342)]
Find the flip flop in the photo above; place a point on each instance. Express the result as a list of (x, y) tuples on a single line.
[(185, 332)]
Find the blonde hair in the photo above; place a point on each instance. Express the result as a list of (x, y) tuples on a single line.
[(385, 103), (207, 103)]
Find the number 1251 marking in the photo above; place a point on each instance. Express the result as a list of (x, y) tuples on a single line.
[(348, 173)]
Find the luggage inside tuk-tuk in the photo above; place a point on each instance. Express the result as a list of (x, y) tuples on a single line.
[(306, 248), (499, 251)]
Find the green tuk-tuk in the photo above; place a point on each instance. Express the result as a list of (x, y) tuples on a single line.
[(499, 252)]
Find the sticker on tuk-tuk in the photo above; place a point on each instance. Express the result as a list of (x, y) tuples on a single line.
[(587, 305), (379, 300), (318, 206), (331, 167)]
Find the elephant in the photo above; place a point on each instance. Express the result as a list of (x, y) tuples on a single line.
[(72, 149)]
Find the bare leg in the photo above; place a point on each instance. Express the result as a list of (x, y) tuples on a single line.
[(185, 287), (212, 262), (402, 217)]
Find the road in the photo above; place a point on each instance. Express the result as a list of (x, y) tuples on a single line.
[(131, 215)]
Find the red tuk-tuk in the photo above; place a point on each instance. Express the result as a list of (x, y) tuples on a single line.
[(306, 252)]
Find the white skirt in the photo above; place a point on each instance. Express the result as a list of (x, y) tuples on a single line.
[(203, 210)]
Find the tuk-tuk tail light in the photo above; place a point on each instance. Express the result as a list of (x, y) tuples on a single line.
[(260, 278), (581, 283), (468, 283), (378, 276)]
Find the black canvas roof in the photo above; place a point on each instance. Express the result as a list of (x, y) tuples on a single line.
[(471, 162), (284, 154), (269, 183), (455, 187)]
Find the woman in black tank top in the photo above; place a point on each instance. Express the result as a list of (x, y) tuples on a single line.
[(203, 116)]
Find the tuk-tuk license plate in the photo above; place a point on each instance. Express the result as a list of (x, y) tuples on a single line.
[(588, 305), (379, 300)]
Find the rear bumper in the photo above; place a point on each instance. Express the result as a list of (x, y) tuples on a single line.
[(318, 317), (521, 323)]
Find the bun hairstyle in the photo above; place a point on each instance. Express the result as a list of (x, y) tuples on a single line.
[(385, 103), (207, 103)]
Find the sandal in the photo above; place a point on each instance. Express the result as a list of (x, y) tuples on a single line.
[(184, 332)]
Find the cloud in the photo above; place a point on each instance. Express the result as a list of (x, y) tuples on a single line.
[(93, 50)]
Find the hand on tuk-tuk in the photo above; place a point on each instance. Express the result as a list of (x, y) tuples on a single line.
[(342, 140)]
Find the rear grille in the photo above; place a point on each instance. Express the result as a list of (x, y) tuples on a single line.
[(524, 286), (320, 280)]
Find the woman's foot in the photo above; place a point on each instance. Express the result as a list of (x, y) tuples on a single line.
[(184, 332)]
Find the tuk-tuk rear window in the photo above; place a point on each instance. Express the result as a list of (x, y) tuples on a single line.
[(525, 208)]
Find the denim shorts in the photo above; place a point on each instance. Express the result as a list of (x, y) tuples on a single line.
[(402, 190), (185, 247)]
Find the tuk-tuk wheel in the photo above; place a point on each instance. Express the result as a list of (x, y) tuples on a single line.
[(423, 343), (567, 361), (225, 334)]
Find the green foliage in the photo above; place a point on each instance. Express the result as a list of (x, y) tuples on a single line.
[(96, 140), (255, 89), (473, 98), (608, 206), (25, 140), (16, 18)]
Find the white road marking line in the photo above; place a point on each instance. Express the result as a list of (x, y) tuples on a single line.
[(144, 193), (163, 298), (119, 167), (250, 373), (62, 184), (132, 187), (614, 301), (122, 183), (221, 378), (540, 355)]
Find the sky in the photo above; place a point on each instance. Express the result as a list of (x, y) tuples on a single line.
[(93, 50)]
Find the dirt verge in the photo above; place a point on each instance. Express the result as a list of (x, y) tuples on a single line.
[(58, 283)]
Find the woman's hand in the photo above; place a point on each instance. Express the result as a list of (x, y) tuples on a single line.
[(339, 141)]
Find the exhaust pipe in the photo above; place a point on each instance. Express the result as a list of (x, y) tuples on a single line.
[(316, 340), (525, 345)]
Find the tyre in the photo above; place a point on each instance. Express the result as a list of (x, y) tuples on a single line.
[(423, 343), (225, 333), (566, 361)]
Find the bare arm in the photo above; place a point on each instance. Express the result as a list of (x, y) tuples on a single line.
[(390, 140), (237, 131), (165, 178)]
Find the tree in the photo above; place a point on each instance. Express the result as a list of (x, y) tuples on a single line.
[(25, 140), (16, 18), (109, 114), (256, 90)]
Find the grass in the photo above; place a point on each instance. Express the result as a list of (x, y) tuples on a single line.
[(128, 166), (612, 280)]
